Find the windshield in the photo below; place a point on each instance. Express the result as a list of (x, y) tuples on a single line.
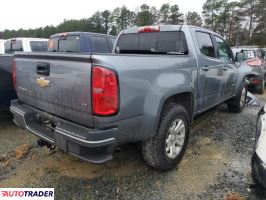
[(171, 43), (64, 44)]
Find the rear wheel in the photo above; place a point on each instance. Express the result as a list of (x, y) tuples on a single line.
[(166, 149), (238, 103)]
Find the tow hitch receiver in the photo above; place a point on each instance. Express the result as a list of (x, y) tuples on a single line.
[(43, 143)]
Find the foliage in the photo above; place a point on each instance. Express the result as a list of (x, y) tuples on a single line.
[(241, 22)]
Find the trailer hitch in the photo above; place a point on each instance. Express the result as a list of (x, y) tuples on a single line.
[(43, 143)]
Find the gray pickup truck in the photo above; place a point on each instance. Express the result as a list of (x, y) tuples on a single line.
[(148, 90)]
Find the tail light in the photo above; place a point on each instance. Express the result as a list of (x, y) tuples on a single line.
[(104, 91), (148, 29), (254, 62), (14, 76)]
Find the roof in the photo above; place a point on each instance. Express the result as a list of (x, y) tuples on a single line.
[(169, 28), (82, 32)]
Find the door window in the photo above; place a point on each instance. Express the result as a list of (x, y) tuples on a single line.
[(205, 44), (224, 52)]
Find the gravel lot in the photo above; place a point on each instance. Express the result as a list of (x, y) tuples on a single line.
[(216, 164)]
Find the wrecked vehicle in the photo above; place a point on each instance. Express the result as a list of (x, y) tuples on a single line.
[(254, 58), (149, 90), (258, 160)]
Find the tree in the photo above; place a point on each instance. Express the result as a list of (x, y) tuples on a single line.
[(193, 18), (248, 9), (211, 9), (106, 15), (175, 16), (123, 18), (164, 13), (154, 14), (144, 17), (259, 32)]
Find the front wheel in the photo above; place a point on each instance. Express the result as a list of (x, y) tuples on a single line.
[(238, 103), (166, 149)]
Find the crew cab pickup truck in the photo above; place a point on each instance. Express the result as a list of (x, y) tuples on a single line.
[(81, 42), (7, 92), (157, 79)]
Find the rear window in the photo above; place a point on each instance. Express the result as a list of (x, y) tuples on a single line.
[(64, 44), (38, 46), (12, 46), (170, 43), (100, 45)]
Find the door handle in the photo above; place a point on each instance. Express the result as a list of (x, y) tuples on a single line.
[(43, 69), (225, 68), (206, 68)]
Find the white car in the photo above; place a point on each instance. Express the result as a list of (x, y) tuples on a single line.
[(26, 45), (2, 47), (258, 161)]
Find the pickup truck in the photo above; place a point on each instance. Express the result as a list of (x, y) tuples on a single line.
[(150, 88), (7, 92), (2, 47), (81, 42)]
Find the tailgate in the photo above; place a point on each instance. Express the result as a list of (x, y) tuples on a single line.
[(58, 84)]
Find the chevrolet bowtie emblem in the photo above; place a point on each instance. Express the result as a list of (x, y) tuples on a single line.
[(43, 82)]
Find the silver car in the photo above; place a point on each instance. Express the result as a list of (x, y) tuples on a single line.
[(258, 160)]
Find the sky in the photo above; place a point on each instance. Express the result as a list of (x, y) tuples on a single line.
[(15, 14)]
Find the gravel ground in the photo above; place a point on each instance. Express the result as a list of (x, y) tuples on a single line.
[(216, 164)]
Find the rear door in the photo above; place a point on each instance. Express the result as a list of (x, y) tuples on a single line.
[(56, 83), (225, 54), (211, 80)]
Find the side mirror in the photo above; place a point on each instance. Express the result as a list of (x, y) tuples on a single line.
[(240, 57)]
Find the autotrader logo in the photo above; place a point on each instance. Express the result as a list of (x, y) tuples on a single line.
[(27, 193)]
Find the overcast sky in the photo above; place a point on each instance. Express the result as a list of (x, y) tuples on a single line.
[(15, 14)]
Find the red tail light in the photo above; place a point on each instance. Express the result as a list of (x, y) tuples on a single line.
[(104, 91), (14, 76), (148, 29), (254, 62)]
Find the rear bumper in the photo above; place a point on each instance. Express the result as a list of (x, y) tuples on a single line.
[(92, 145), (259, 169)]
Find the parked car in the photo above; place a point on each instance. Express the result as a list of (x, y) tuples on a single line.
[(254, 58), (149, 90), (2, 47), (81, 42), (258, 161), (7, 92)]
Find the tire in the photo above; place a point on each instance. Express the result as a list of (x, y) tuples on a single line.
[(254, 177), (237, 104), (261, 87), (157, 150)]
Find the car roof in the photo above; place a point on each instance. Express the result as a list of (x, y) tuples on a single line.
[(80, 32), (25, 38)]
